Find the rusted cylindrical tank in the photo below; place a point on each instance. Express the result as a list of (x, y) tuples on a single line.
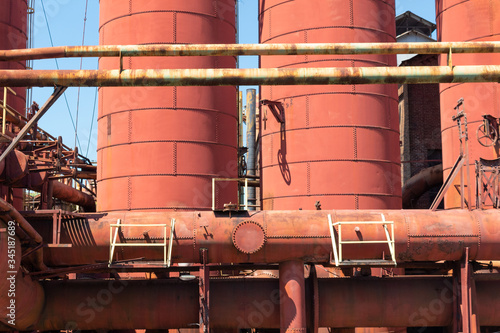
[(483, 24), (339, 145), (159, 148), (13, 26), (13, 35)]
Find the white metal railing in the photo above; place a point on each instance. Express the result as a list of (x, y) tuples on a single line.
[(337, 249), (245, 205), (167, 255)]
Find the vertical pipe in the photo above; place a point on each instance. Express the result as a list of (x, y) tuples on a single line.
[(251, 130), (293, 297)]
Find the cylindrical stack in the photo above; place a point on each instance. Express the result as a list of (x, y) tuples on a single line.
[(13, 27), (482, 24), (159, 148), (339, 145)]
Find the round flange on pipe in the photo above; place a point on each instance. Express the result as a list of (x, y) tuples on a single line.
[(292, 297)]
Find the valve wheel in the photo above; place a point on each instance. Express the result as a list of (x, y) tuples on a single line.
[(487, 138)]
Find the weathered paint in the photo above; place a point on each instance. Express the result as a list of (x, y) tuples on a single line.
[(159, 148), (289, 235), (483, 25), (339, 146), (254, 303), (262, 76), (247, 49)]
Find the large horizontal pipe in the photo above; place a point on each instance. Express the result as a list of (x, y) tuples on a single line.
[(255, 303), (247, 49), (256, 76), (419, 235), (69, 194)]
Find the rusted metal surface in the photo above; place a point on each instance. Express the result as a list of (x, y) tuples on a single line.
[(420, 183), (29, 296), (252, 155), (204, 293), (263, 76), (292, 297), (32, 122), (13, 35), (159, 148), (13, 19), (483, 25), (159, 50), (342, 303), (335, 138), (69, 194), (290, 235)]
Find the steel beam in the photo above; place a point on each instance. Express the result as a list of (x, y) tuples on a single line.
[(248, 49)]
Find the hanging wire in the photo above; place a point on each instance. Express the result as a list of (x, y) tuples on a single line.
[(92, 122), (81, 66), (57, 66)]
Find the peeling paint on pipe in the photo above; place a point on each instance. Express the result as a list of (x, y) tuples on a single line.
[(247, 49), (260, 76), (420, 235)]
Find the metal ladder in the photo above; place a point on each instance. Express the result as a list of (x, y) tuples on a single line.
[(337, 249), (167, 255)]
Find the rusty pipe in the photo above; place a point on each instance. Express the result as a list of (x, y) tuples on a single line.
[(420, 183), (278, 236), (256, 76), (255, 303), (72, 195), (21, 221), (248, 49)]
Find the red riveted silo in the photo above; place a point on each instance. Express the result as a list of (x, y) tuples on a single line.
[(160, 147), (470, 21), (339, 144), (13, 26)]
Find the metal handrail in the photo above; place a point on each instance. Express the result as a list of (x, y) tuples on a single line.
[(167, 256), (337, 249)]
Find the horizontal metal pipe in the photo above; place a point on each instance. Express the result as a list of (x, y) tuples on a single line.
[(419, 235), (255, 303), (72, 195), (260, 76), (248, 49)]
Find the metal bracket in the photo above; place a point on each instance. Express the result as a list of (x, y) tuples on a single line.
[(337, 250), (277, 110), (121, 62)]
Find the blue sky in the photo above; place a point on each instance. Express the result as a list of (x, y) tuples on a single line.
[(66, 21)]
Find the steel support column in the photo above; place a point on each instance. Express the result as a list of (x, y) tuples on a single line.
[(204, 292), (292, 297)]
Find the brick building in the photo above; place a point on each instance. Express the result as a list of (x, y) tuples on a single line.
[(419, 111)]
